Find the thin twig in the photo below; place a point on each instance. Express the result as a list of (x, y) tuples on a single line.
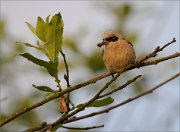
[(121, 87), (84, 128), (91, 81), (66, 77), (16, 114), (58, 83), (157, 49), (124, 102), (154, 62)]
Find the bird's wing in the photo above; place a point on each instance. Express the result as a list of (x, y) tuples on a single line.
[(129, 43)]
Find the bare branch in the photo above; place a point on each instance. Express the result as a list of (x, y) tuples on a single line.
[(154, 62), (66, 77), (121, 87), (58, 83), (16, 114), (80, 128), (157, 49), (124, 102)]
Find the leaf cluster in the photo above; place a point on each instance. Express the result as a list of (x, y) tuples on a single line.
[(50, 34)]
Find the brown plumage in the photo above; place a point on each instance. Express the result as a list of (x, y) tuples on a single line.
[(118, 52)]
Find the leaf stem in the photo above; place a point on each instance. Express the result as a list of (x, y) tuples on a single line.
[(58, 83)]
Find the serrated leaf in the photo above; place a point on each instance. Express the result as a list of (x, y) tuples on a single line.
[(50, 66), (31, 27), (43, 88), (99, 103), (41, 29)]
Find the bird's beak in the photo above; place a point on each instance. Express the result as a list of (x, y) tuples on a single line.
[(102, 43)]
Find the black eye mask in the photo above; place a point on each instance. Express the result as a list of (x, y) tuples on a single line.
[(112, 39)]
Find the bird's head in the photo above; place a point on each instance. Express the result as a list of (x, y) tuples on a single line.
[(110, 37)]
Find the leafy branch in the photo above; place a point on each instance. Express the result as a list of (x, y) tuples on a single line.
[(81, 85), (50, 34)]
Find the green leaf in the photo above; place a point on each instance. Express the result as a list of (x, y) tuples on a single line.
[(50, 33), (37, 46), (31, 45), (34, 59), (102, 102), (50, 42), (50, 66), (41, 29), (43, 88), (31, 27), (99, 103), (54, 35), (47, 19)]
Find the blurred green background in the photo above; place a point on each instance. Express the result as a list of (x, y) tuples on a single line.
[(145, 24)]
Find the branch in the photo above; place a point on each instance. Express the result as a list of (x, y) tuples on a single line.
[(154, 62), (94, 80), (124, 102), (80, 128), (56, 95), (66, 116), (58, 83), (157, 49), (97, 96), (91, 81), (66, 77), (121, 87), (17, 114)]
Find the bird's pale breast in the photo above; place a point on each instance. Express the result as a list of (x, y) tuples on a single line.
[(118, 56)]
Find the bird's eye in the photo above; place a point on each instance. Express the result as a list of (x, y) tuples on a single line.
[(112, 39)]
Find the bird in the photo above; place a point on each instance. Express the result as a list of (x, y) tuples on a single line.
[(118, 52)]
